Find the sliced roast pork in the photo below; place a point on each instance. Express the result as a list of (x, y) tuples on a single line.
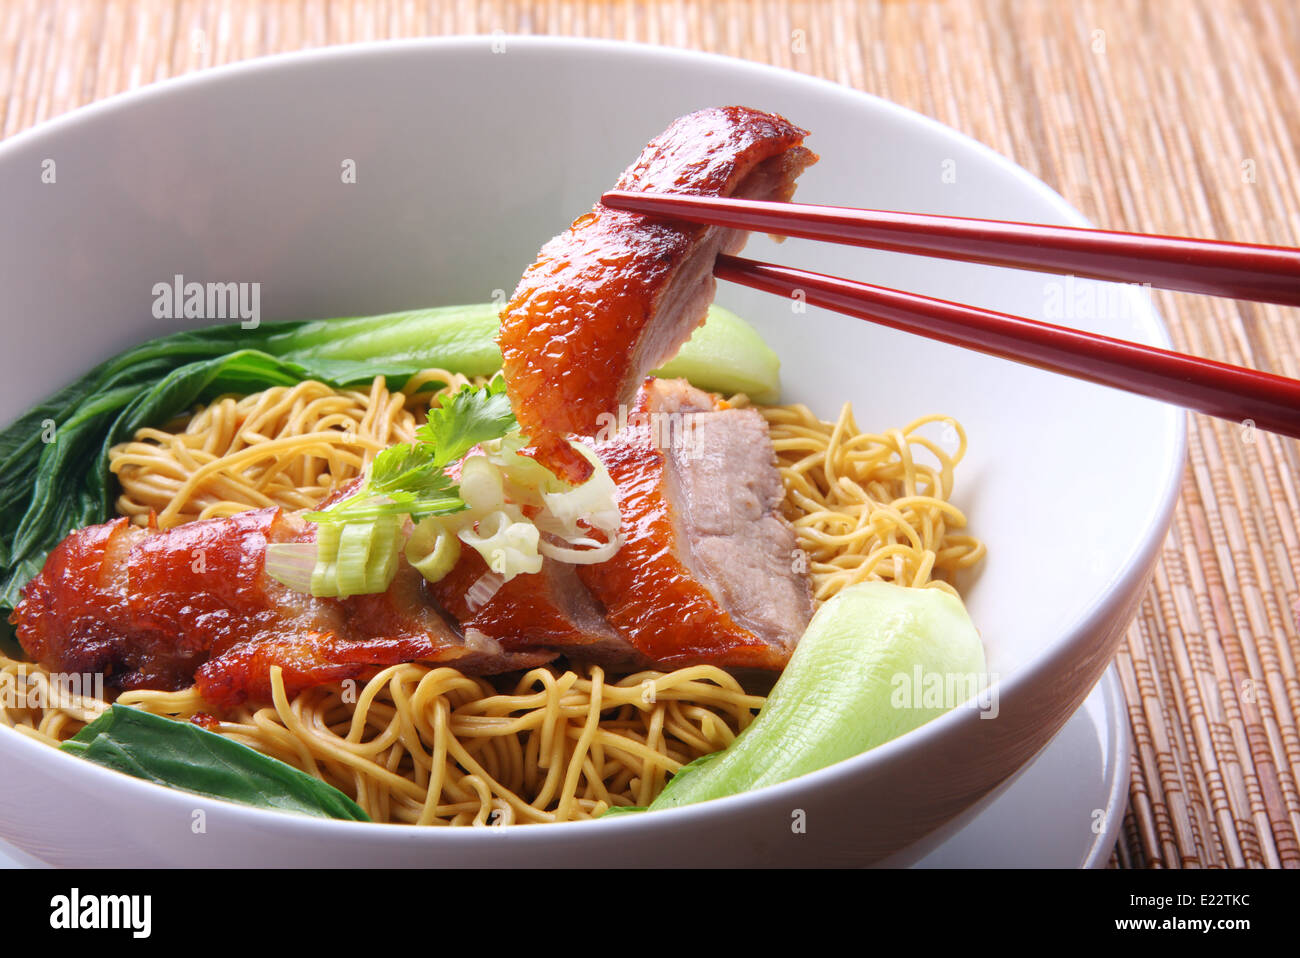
[(617, 294)]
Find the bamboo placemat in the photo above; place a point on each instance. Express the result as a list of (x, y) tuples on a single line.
[(1179, 118)]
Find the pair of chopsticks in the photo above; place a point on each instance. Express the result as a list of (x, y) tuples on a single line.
[(1269, 274)]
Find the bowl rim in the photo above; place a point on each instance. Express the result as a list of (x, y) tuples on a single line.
[(1141, 555)]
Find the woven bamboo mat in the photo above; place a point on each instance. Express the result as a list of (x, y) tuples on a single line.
[(1163, 117)]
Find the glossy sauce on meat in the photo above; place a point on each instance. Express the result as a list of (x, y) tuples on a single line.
[(193, 605), (618, 293)]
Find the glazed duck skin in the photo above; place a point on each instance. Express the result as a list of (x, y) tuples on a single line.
[(618, 293), (193, 605), (550, 609)]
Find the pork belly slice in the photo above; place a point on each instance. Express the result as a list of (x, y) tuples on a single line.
[(618, 293), (193, 605), (707, 570), (550, 609)]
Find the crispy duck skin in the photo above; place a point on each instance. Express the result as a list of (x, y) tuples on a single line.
[(193, 605), (617, 294)]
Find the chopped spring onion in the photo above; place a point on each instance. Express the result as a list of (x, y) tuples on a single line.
[(432, 549), (367, 556), (594, 502), (593, 550), (292, 563), (325, 579), (354, 558), (482, 487), (508, 543), (526, 479), (482, 591)]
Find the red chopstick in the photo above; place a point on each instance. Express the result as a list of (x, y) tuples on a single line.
[(1237, 270), (1269, 274), (1218, 389)]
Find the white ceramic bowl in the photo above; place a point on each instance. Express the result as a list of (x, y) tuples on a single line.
[(470, 153)]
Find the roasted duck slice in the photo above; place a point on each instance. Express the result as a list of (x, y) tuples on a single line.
[(193, 605), (709, 570), (617, 294), (706, 573)]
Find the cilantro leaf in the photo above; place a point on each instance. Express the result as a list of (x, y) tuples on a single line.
[(410, 478), (408, 468), (462, 421)]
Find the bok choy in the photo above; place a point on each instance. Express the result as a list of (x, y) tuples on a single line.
[(181, 755), (877, 660)]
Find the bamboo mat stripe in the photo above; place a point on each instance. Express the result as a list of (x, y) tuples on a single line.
[(1179, 118)]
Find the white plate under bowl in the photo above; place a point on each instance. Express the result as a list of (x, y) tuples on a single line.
[(467, 160), (1063, 810)]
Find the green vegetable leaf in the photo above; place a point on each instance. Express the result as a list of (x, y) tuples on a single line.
[(182, 755), (462, 421), (681, 775), (410, 478), (615, 810), (56, 475), (410, 468)]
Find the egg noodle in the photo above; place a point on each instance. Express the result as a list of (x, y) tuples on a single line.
[(288, 446), (431, 746), (864, 507)]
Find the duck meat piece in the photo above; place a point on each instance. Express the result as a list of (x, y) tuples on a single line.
[(193, 605), (389, 628), (618, 293), (709, 569), (550, 609)]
